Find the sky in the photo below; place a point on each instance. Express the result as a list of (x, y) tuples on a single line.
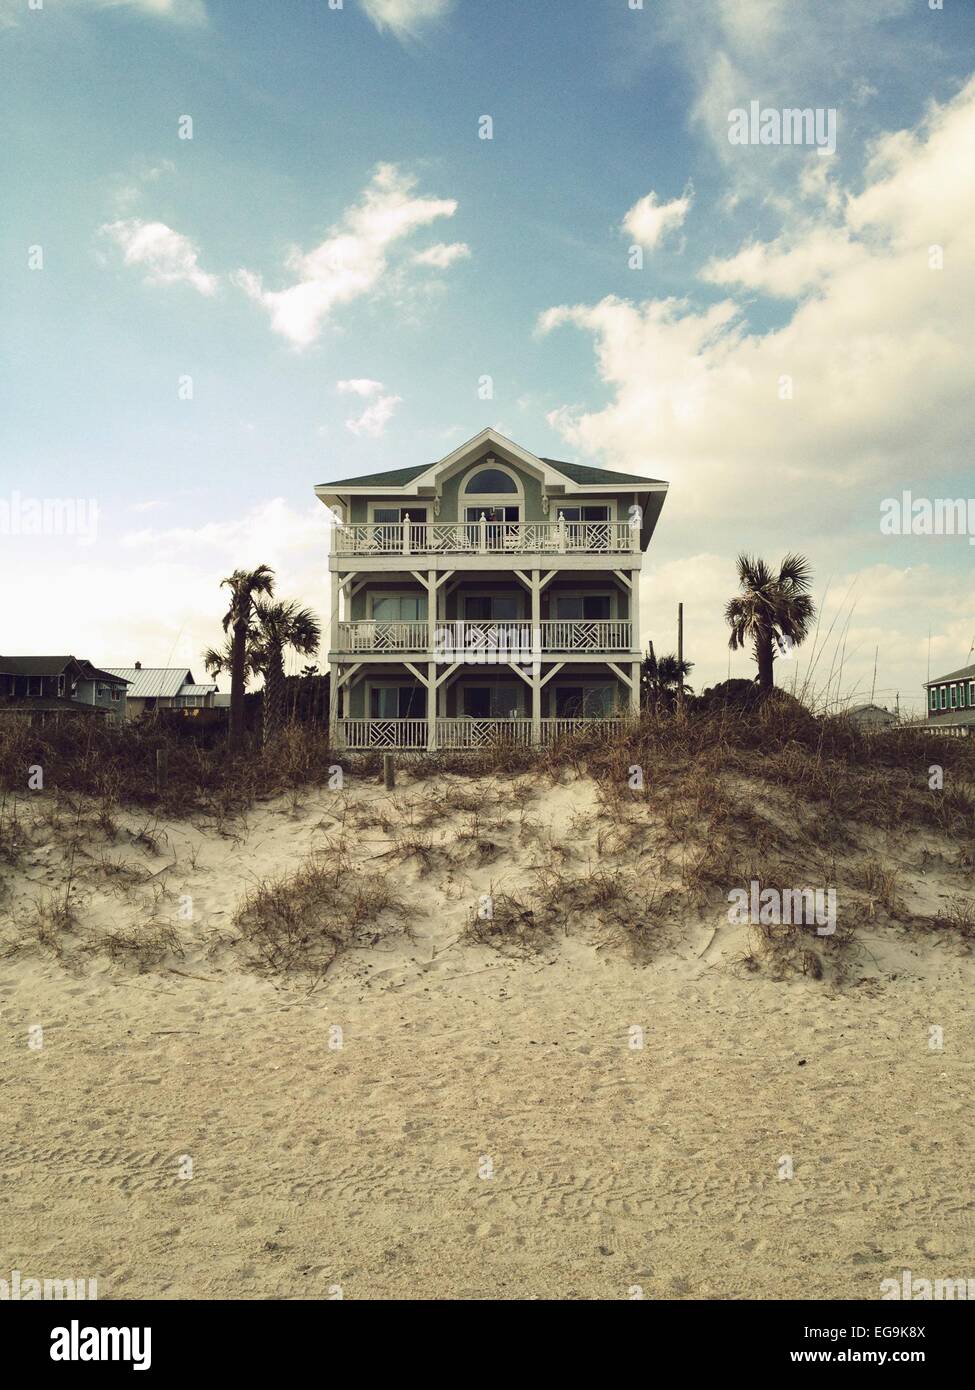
[(247, 248)]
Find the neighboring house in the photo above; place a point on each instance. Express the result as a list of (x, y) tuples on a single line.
[(951, 698), (153, 688), (47, 686), (492, 592), (872, 717)]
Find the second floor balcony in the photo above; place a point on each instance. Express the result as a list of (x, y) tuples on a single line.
[(515, 640), (487, 538)]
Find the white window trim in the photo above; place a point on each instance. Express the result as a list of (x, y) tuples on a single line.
[(943, 702), (953, 695), (971, 693)]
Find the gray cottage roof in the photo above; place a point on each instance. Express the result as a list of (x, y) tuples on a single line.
[(966, 673), (154, 682)]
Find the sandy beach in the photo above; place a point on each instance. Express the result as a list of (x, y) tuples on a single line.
[(583, 1114)]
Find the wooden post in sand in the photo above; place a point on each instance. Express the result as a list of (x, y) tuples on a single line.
[(389, 771), (162, 768)]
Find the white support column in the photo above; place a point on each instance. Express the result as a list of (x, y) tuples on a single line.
[(333, 668), (536, 592), (333, 704), (431, 704)]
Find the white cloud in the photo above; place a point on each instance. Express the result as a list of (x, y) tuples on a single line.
[(179, 11), (359, 386), (649, 221), (878, 353), (352, 260), (167, 257), (442, 255), (372, 423), (189, 12), (405, 17), (374, 419)]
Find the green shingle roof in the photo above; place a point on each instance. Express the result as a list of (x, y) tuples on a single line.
[(395, 477), (582, 473), (575, 472)]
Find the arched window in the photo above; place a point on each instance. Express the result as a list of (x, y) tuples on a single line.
[(494, 492), (491, 481)]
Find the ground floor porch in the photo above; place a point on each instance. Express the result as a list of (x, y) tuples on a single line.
[(430, 704)]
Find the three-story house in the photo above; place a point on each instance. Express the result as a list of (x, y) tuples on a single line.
[(490, 594)]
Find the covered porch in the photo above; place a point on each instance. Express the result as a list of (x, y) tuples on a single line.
[(430, 705)]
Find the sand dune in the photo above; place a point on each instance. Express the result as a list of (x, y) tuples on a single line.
[(487, 1127)]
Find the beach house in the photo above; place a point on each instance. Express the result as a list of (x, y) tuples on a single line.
[(492, 593)]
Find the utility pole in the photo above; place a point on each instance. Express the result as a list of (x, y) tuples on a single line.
[(680, 656), (874, 686)]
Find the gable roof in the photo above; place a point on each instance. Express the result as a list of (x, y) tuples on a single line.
[(576, 473), (36, 665), (55, 666), (154, 682), (966, 673)]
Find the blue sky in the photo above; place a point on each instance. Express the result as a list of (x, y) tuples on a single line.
[(336, 219)]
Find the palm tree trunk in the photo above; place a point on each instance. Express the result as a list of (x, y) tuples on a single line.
[(763, 655), (274, 693), (237, 677)]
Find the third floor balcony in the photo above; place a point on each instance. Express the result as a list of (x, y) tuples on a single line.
[(485, 537)]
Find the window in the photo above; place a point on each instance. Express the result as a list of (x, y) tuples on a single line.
[(392, 516), (584, 513), (580, 606), (971, 694), (953, 697), (932, 699), (399, 608), (492, 701), (60, 685), (488, 608), (492, 513), (116, 692), (491, 480), (944, 697), (397, 702), (584, 701)]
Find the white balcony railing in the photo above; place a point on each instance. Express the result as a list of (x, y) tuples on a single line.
[(380, 734), (480, 733), (455, 641), (370, 635), (587, 635), (383, 733), (487, 538)]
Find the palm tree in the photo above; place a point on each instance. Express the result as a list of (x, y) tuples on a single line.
[(771, 610), (280, 625), (662, 677), (244, 585)]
